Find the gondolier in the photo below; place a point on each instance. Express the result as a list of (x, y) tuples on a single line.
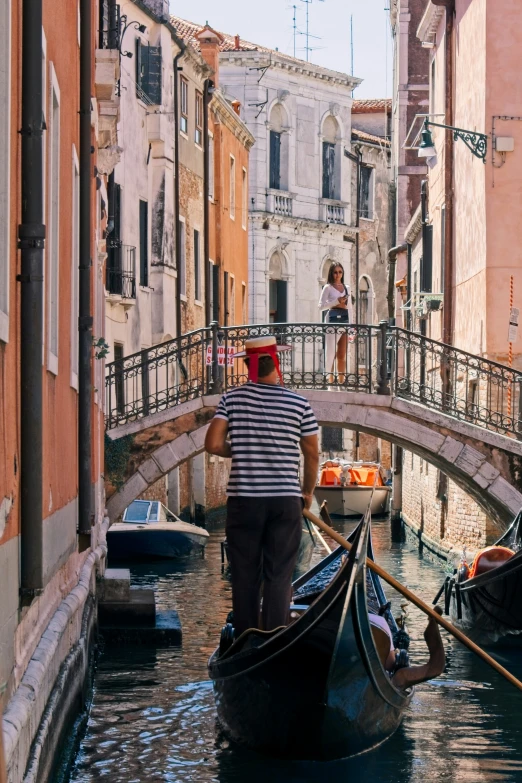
[(268, 425)]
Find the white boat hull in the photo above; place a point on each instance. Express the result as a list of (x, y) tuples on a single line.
[(353, 501)]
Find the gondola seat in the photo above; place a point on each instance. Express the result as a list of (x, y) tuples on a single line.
[(489, 558)]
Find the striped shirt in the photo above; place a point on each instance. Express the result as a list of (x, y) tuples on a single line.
[(265, 423)]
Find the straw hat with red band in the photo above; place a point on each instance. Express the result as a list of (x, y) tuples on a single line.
[(257, 347)]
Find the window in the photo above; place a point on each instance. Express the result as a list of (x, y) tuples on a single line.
[(277, 301), (215, 292), (442, 247), (119, 387), (197, 267), (183, 89), (244, 200), (232, 188), (331, 439), (54, 224), (211, 168), (148, 73), (364, 301), (275, 160), (5, 133), (225, 297), (109, 24), (366, 192), (144, 243), (182, 265), (75, 259), (198, 133), (328, 170), (243, 303)]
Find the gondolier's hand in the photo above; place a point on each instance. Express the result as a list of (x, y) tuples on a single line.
[(308, 499)]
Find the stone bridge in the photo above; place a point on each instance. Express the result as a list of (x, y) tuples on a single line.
[(486, 464)]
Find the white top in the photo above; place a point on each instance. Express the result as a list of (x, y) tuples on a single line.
[(330, 295)]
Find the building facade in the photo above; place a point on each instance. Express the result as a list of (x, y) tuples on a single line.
[(464, 278), (51, 539)]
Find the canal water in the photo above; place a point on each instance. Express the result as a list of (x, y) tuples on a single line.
[(153, 717)]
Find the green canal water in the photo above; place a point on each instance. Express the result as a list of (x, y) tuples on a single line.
[(153, 719)]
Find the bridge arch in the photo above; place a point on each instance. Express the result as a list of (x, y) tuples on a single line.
[(480, 462)]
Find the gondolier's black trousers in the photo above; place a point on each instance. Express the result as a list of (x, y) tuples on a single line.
[(263, 536)]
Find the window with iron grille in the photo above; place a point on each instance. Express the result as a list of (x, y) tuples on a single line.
[(109, 24), (331, 439), (183, 92), (275, 160), (148, 73), (198, 133)]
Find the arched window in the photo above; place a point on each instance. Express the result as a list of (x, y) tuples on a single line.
[(277, 291), (331, 159), (278, 143)]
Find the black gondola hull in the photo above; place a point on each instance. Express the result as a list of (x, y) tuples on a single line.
[(316, 690)]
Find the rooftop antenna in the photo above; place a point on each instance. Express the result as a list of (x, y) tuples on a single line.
[(351, 45), (295, 24), (308, 35)]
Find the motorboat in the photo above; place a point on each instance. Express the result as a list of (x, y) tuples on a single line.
[(316, 689), (348, 486), (149, 530)]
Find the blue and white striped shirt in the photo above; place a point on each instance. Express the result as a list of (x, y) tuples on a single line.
[(265, 424)]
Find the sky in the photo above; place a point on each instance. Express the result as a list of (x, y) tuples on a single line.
[(269, 22)]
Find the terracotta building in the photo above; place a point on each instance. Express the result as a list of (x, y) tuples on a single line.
[(51, 417), (464, 269)]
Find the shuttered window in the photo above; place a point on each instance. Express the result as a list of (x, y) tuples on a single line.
[(328, 170), (366, 193), (275, 160), (198, 133), (197, 267), (183, 90), (144, 243), (148, 73)]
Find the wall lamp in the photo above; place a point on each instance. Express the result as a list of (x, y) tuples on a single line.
[(476, 142), (124, 26)]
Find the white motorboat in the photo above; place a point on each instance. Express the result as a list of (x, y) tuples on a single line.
[(347, 487), (149, 529)]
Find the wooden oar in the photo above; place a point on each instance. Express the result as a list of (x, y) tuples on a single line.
[(417, 601)]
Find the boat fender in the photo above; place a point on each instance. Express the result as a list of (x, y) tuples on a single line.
[(458, 601), (226, 638)]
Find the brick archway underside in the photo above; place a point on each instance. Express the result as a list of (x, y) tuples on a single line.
[(486, 465)]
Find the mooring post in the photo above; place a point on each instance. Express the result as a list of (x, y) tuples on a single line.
[(383, 386)]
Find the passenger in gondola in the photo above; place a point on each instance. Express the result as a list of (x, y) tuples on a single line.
[(407, 676), (268, 426)]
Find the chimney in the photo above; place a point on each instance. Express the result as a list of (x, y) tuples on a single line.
[(159, 7), (236, 42), (209, 42), (236, 105)]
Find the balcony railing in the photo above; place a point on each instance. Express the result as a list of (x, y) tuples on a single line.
[(121, 270), (279, 202)]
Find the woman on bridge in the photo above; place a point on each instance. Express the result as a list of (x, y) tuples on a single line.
[(334, 299)]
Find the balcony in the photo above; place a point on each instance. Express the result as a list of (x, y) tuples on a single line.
[(121, 270), (279, 202), (332, 212)]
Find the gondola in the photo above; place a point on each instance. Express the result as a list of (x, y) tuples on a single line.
[(316, 689), (485, 601)]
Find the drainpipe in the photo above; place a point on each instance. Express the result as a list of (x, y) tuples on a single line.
[(31, 234), (85, 316), (447, 313), (392, 263), (177, 233), (208, 89), (357, 160)]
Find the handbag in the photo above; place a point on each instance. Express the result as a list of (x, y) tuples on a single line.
[(337, 316)]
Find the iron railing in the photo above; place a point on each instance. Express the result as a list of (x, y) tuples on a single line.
[(363, 358), (121, 269)]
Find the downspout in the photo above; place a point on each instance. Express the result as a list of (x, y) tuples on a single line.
[(448, 306), (392, 263), (85, 316), (31, 234), (177, 233), (208, 89), (357, 160)]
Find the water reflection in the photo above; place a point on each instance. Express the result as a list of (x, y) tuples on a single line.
[(153, 717)]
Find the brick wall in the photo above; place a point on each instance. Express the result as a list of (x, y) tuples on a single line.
[(440, 509), (156, 491)]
